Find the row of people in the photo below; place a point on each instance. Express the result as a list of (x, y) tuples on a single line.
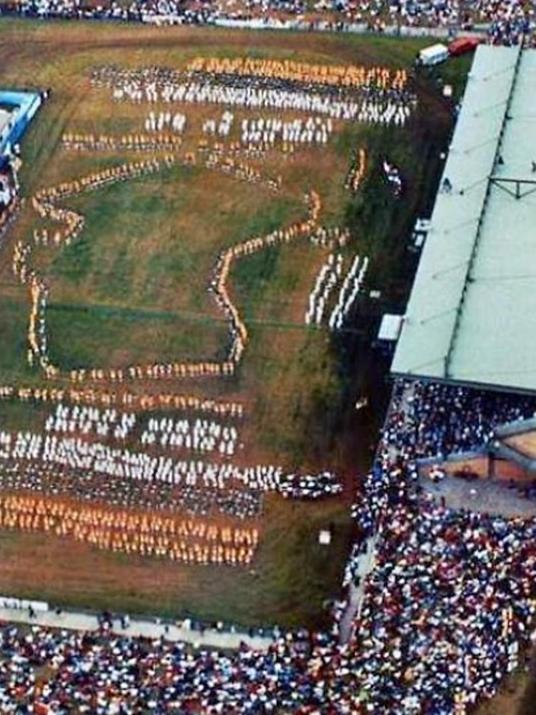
[(188, 541), (104, 177), (302, 72), (37, 332), (154, 371), (369, 109), (88, 486), (235, 148), (240, 170), (74, 454), (351, 286), (325, 281), (155, 141), (57, 510), (20, 262), (508, 22), (130, 400)]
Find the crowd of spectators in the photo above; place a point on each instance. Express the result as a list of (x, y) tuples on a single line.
[(435, 420), (506, 21), (451, 600)]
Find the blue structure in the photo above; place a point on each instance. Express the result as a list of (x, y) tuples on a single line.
[(22, 107)]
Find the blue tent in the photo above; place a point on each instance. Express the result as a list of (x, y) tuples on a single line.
[(23, 106)]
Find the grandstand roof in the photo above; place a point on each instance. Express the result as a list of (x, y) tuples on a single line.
[(471, 317)]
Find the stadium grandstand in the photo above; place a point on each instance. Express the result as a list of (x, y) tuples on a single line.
[(471, 316)]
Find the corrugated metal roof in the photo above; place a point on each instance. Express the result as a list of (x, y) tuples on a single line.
[(471, 316)]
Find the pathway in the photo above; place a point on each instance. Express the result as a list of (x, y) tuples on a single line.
[(138, 627), (365, 564)]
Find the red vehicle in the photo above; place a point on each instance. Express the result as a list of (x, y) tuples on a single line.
[(462, 45)]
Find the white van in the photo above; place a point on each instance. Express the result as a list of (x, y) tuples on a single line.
[(433, 55)]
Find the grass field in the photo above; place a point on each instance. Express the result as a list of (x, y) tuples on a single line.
[(133, 288)]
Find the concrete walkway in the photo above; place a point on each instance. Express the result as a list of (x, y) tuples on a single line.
[(79, 621), (365, 564)]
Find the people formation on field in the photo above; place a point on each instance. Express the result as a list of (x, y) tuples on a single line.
[(37, 331), (349, 92), (201, 434), (196, 497), (374, 95), (191, 541), (122, 460), (321, 298), (80, 453)]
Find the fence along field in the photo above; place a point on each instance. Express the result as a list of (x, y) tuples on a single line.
[(179, 207)]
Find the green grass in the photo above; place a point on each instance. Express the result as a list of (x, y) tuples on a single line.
[(95, 336), (13, 332)]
